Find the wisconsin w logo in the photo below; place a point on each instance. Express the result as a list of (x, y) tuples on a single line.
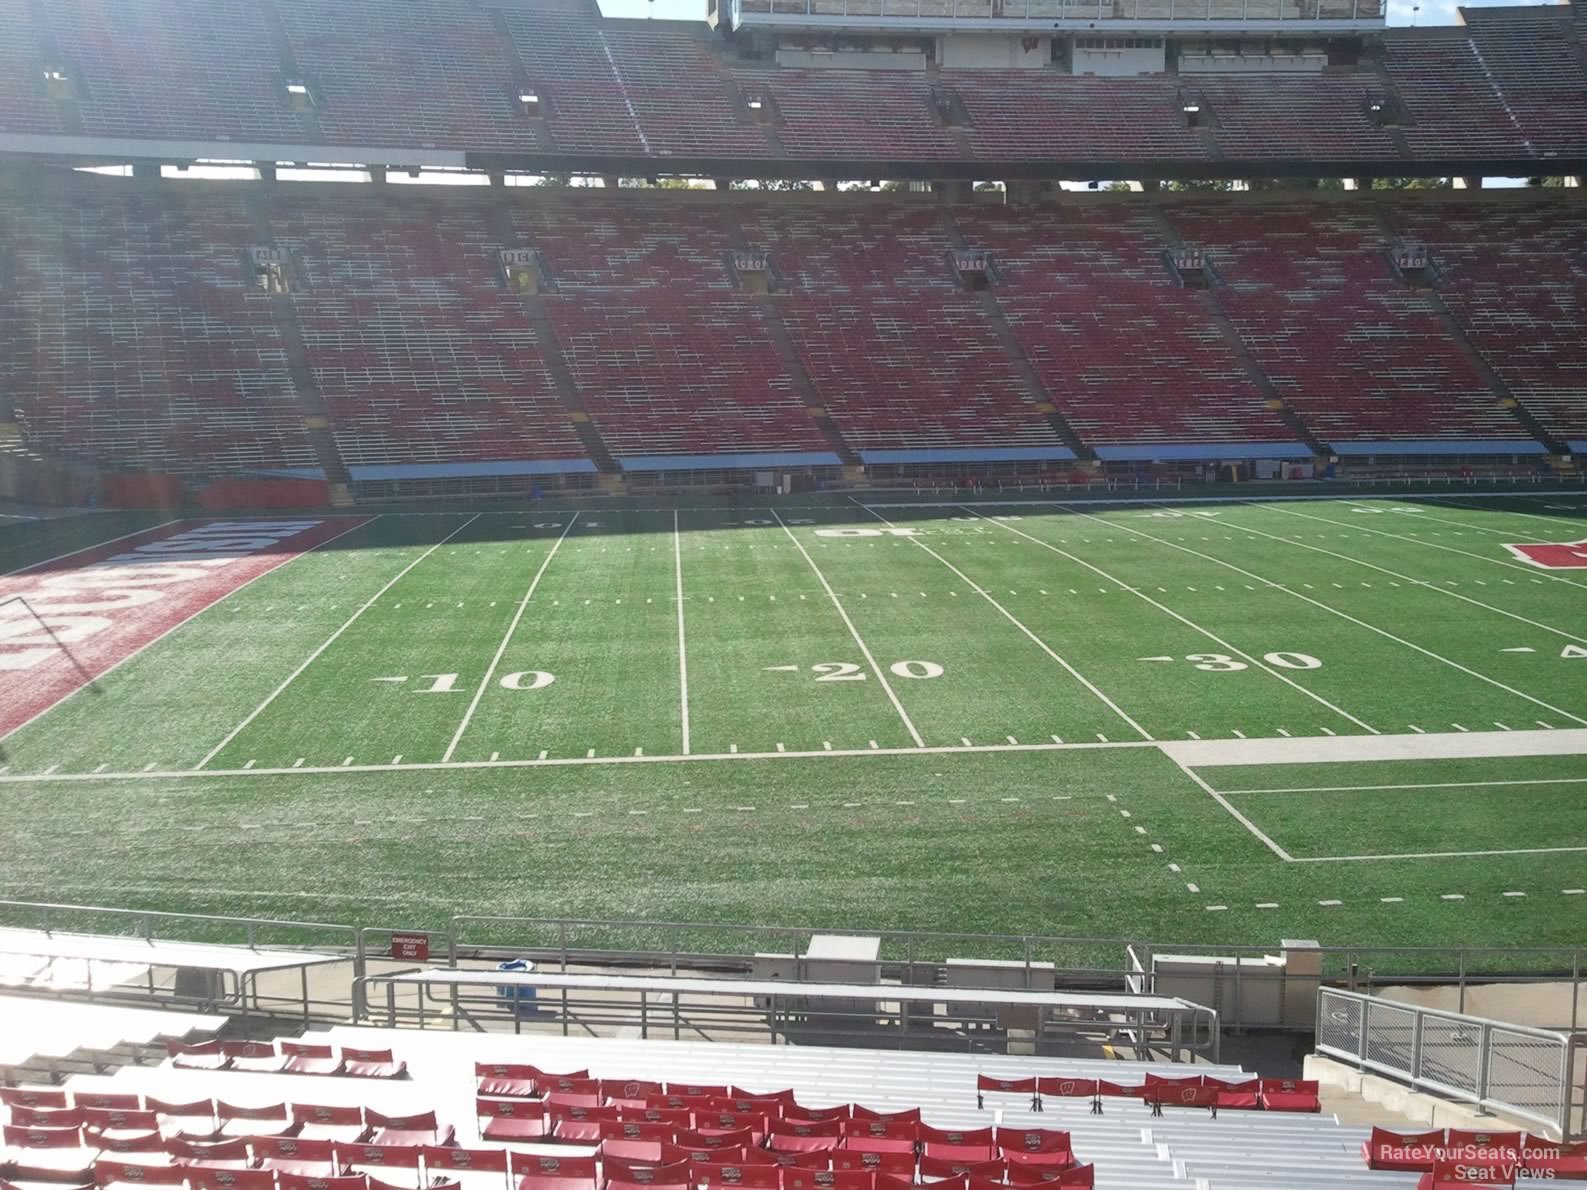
[(1568, 555)]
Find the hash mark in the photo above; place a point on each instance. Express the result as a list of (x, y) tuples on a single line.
[(298, 763), (542, 754), (349, 760), (1330, 903), (249, 765)]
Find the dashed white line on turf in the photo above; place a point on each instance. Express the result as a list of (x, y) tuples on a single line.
[(329, 641)]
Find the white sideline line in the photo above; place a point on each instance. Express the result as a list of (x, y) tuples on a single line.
[(563, 762), (1345, 859), (1531, 516), (523, 606), (1321, 497), (683, 656), (1255, 830), (1345, 616), (1009, 616), (1531, 571), (312, 657), (1426, 785), (69, 695), (1188, 623), (97, 545), (854, 632), (1489, 529), (1421, 582)]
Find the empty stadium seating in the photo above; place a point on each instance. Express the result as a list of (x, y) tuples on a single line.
[(419, 352), (164, 69), (1126, 354), (665, 373), (482, 1111), (907, 373), (619, 86), (130, 334), (1505, 272), (136, 335), (407, 72), (448, 75), (1359, 355), (24, 104)]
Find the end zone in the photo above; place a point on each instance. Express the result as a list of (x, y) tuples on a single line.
[(67, 622)]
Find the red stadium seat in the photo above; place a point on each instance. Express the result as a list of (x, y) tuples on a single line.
[(303, 1058), (1288, 1094), (298, 1155), (254, 1056), (329, 1123), (358, 1063)]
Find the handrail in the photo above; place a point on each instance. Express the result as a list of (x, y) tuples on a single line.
[(1518, 1070)]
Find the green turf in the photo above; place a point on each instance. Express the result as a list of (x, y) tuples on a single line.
[(1004, 625)]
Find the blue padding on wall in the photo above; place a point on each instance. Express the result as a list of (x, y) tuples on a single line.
[(465, 470), (969, 454), (1443, 446), (762, 462), (1203, 452)]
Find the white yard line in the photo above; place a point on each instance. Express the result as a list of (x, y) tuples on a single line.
[(1342, 615), (1012, 619), (1183, 620), (314, 656), (854, 632), (180, 623), (490, 672), (1420, 582), (1531, 571), (94, 545), (683, 654)]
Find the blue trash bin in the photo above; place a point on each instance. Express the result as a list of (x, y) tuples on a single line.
[(520, 1001)]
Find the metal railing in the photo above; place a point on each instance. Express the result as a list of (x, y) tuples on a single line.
[(1105, 964), (1125, 12), (1536, 1075)]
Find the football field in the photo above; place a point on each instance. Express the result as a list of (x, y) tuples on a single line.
[(1355, 720)]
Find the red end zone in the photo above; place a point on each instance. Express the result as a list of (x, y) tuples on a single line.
[(105, 603)]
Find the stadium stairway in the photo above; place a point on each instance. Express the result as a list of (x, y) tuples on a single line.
[(1035, 389), (499, 220), (778, 332), (1231, 337), (316, 419)]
